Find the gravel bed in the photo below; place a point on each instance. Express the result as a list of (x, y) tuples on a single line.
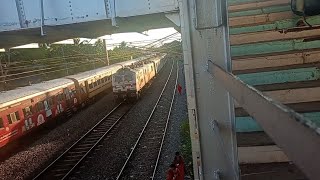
[(172, 141), (139, 166), (33, 158), (108, 160)]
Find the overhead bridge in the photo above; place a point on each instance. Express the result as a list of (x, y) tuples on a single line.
[(242, 63), (23, 21)]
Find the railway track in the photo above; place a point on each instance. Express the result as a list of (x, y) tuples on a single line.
[(70, 159), (143, 159)]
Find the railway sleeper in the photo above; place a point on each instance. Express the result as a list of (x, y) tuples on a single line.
[(90, 141), (101, 129), (74, 156), (78, 152), (81, 148), (70, 160), (58, 175), (95, 138), (64, 165), (60, 170), (85, 145)]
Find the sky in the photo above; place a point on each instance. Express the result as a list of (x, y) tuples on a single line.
[(133, 39)]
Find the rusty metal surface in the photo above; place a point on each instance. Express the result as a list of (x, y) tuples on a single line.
[(297, 136)]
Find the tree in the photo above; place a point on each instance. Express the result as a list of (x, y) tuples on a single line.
[(123, 45)]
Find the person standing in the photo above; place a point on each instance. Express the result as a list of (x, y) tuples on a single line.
[(179, 89), (179, 162), (172, 172)]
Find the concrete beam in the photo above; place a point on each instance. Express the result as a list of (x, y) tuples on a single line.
[(261, 154)]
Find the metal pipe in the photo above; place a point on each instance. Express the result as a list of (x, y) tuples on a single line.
[(42, 18), (21, 14)]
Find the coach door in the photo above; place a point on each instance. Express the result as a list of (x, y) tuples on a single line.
[(68, 97), (47, 108)]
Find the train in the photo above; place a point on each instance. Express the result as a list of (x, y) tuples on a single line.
[(129, 81), (24, 109)]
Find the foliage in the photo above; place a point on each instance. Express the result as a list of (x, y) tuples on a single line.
[(51, 61), (173, 49), (186, 149)]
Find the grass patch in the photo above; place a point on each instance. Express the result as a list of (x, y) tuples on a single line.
[(186, 149)]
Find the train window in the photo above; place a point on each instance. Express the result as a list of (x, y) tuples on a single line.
[(102, 80), (1, 123), (17, 115), (83, 90), (27, 111), (50, 102), (13, 117), (60, 97), (40, 106), (128, 78), (99, 81), (95, 84), (90, 85), (118, 78)]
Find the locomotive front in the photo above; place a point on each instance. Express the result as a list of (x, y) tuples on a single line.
[(124, 84)]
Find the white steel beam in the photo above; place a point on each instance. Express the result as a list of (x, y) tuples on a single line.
[(204, 28)]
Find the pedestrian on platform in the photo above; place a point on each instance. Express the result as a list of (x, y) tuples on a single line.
[(179, 162), (179, 89), (172, 172)]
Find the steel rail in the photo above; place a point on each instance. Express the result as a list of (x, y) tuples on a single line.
[(297, 136), (83, 138), (165, 130), (145, 126)]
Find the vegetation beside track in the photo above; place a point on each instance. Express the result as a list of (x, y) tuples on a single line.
[(186, 149)]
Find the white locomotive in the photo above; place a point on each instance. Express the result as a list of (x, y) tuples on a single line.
[(129, 81)]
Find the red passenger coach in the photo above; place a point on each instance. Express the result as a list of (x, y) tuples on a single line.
[(21, 110)]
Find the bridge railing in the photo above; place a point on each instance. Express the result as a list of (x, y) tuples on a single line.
[(297, 136)]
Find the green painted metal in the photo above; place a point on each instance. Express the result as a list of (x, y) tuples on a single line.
[(284, 76), (314, 117), (277, 25), (273, 9), (273, 47), (232, 2), (248, 124)]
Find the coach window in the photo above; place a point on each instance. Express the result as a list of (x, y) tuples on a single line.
[(13, 117), (27, 111), (99, 81), (50, 102), (40, 106), (95, 84), (90, 86), (60, 97), (1, 123)]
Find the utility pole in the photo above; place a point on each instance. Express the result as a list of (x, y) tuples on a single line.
[(107, 55)]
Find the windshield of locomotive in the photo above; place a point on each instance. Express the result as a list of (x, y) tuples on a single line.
[(128, 77), (118, 78)]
